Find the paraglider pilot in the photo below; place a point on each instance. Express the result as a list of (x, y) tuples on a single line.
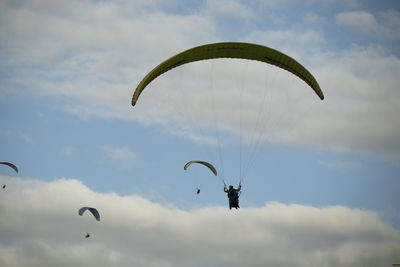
[(233, 195)]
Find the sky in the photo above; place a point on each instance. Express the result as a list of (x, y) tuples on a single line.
[(319, 178)]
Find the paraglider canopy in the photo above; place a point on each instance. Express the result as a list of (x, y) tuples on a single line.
[(231, 50), (250, 123), (208, 165), (92, 210), (10, 165)]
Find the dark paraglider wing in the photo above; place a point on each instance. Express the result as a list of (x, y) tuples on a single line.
[(94, 211), (10, 165)]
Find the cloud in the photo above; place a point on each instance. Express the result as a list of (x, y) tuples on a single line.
[(67, 151), (121, 155), (361, 90), (96, 76), (341, 165), (358, 20), (384, 24), (20, 135), (360, 85), (232, 13), (41, 227), (284, 3)]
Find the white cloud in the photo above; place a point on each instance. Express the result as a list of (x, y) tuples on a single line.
[(92, 55), (41, 227), (358, 20), (122, 155), (383, 25), (20, 135), (360, 85), (341, 165), (391, 17), (229, 11), (67, 151), (312, 18), (359, 113)]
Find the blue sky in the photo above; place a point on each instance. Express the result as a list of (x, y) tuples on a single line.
[(68, 71)]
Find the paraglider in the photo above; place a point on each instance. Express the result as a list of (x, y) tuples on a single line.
[(231, 50), (233, 196), (93, 211), (10, 165), (208, 165)]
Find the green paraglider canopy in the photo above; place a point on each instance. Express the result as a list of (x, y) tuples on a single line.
[(231, 50)]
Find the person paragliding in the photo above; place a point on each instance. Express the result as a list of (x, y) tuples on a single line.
[(9, 164), (233, 195), (230, 50), (94, 212), (208, 165)]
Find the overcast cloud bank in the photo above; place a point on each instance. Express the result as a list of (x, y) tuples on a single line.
[(40, 226)]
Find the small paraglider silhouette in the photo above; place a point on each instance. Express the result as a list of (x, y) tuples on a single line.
[(11, 166), (208, 165), (95, 213)]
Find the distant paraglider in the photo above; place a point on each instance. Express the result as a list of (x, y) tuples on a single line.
[(10, 165), (95, 213), (208, 165)]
